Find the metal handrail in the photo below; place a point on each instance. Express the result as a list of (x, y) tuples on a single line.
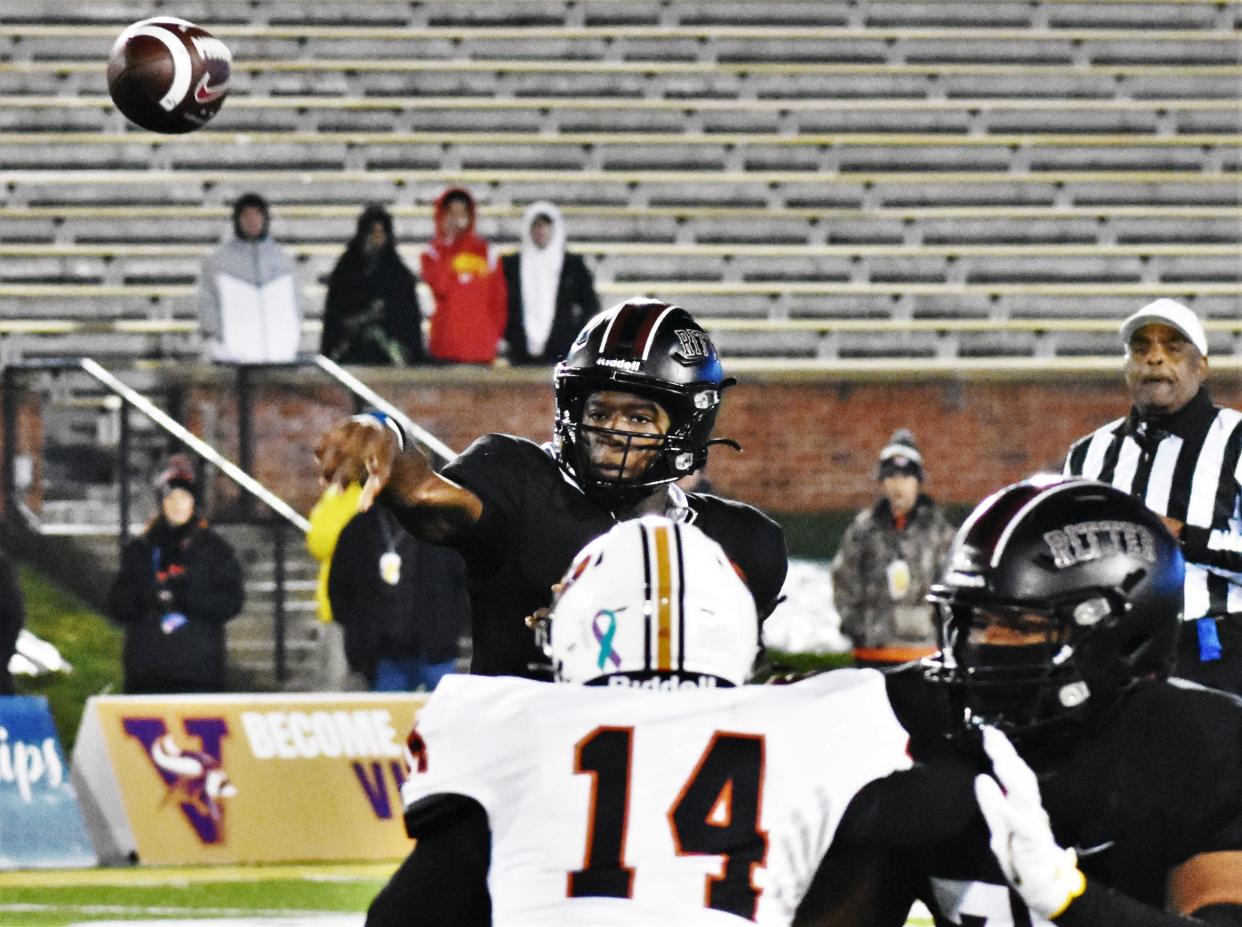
[(239, 476), (201, 447), (132, 398), (368, 395)]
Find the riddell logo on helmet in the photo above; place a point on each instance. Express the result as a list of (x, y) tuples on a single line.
[(668, 684), (627, 365), (1093, 540)]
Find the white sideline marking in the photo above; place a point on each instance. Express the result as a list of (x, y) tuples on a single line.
[(183, 875), (242, 919), (334, 920), (270, 916)]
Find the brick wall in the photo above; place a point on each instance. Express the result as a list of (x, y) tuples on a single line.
[(810, 445), (27, 449)]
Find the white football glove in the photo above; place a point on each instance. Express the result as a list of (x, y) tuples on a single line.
[(1045, 874)]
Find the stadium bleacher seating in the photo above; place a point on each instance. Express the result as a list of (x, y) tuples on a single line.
[(841, 179)]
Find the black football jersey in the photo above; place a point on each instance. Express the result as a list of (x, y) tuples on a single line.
[(535, 519), (1136, 792)]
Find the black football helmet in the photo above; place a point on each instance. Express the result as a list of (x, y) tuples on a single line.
[(1058, 596), (657, 351)]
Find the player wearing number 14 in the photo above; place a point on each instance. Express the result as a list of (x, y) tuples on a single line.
[(661, 792)]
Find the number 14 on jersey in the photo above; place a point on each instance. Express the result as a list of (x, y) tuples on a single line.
[(716, 813)]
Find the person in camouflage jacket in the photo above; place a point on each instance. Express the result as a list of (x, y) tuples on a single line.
[(889, 556)]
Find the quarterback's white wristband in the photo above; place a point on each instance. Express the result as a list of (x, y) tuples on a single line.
[(387, 421)]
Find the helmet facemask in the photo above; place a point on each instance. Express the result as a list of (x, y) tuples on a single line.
[(1012, 666), (677, 452), (1021, 666)]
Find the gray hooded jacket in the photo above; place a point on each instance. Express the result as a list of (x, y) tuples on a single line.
[(266, 323)]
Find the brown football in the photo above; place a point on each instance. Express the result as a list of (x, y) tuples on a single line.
[(168, 75)]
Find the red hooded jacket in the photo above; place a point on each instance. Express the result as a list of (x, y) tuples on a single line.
[(469, 288)]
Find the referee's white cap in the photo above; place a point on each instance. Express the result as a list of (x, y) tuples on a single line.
[(1167, 312)]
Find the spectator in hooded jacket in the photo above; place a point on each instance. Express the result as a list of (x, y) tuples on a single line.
[(371, 315), (889, 557), (179, 584), (551, 292), (249, 308), (468, 287)]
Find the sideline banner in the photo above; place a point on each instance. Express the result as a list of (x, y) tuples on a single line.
[(40, 824), (245, 778)]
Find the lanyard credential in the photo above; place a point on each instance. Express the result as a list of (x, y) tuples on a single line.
[(390, 560)]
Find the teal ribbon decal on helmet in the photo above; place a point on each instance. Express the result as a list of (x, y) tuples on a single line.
[(604, 627)]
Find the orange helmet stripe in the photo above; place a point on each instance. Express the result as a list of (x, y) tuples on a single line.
[(663, 604)]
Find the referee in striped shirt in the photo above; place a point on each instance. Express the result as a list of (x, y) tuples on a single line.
[(1183, 456)]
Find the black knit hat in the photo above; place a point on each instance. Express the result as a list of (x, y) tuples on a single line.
[(178, 475), (901, 456)]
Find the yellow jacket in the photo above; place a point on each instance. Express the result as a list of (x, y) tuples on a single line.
[(327, 519)]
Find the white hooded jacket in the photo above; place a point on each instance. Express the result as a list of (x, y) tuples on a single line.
[(540, 275)]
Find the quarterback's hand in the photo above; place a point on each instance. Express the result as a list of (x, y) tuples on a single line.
[(1045, 874), (360, 449)]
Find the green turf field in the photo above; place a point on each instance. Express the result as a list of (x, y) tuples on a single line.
[(286, 894), (320, 895)]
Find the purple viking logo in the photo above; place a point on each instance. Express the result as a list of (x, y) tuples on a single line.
[(195, 779)]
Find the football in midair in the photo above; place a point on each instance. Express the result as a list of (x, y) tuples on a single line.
[(168, 75)]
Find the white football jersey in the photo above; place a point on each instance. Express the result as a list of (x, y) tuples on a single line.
[(613, 805)]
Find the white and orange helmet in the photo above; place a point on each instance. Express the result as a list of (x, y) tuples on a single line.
[(653, 604)]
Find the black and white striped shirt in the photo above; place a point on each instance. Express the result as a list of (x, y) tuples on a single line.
[(1187, 466)]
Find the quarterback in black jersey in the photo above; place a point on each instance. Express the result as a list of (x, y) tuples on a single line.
[(636, 401), (1059, 615)]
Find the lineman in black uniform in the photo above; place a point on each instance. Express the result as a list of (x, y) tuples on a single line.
[(636, 400), (1059, 616)]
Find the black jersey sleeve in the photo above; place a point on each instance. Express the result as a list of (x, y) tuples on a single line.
[(1225, 834), (924, 805), (858, 887), (494, 468), (435, 812), (1199, 736), (770, 564), (443, 882), (754, 542)]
